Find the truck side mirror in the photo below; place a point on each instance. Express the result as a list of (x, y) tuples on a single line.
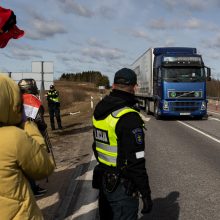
[(208, 76)]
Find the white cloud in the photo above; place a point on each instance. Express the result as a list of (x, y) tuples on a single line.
[(102, 53), (212, 42), (107, 12), (169, 42), (216, 42), (160, 24), (140, 34), (24, 52), (43, 28), (137, 33), (194, 23), (190, 23), (95, 43), (71, 59), (197, 5), (71, 6), (64, 57), (215, 56)]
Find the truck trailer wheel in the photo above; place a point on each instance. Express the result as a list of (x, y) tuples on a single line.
[(156, 110)]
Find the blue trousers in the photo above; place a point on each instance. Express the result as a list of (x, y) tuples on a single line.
[(117, 205)]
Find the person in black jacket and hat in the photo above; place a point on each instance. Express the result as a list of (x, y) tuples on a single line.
[(54, 107), (119, 146)]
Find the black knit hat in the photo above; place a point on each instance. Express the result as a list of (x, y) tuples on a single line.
[(125, 76)]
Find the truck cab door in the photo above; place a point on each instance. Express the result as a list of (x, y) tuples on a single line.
[(157, 82)]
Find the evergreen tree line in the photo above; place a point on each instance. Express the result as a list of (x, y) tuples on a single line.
[(89, 76), (213, 88)]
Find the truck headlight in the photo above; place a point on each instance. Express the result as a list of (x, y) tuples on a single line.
[(203, 106), (165, 105)]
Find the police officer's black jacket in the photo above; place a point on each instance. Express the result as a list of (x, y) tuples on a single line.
[(128, 144)]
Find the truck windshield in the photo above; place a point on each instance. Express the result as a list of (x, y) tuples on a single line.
[(180, 74)]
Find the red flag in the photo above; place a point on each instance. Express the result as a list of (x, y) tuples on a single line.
[(8, 28), (31, 105)]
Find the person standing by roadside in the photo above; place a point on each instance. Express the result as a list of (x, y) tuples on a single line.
[(29, 91), (54, 107), (23, 155), (118, 146)]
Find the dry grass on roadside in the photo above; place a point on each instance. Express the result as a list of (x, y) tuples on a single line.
[(69, 96), (72, 92)]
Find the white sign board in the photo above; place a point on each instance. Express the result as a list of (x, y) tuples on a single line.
[(45, 68), (42, 66), (41, 71)]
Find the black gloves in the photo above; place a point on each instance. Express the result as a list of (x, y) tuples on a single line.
[(147, 204)]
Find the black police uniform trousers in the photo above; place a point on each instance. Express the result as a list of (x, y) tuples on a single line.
[(117, 205), (54, 110)]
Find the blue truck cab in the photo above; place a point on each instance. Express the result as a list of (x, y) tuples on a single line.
[(179, 82)]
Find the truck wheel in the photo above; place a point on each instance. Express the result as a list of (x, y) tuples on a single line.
[(156, 110), (147, 107)]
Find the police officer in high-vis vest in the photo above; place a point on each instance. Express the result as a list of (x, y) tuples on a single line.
[(118, 146), (54, 107)]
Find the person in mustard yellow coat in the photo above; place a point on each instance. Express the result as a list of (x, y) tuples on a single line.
[(23, 155)]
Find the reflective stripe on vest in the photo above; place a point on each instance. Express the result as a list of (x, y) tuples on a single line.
[(106, 138), (53, 93)]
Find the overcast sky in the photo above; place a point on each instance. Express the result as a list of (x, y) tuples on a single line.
[(106, 35)]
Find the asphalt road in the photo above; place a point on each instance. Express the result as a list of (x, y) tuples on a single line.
[(182, 160)]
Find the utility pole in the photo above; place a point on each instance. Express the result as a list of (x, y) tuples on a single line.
[(42, 88)]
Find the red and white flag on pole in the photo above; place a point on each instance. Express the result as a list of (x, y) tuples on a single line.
[(31, 105)]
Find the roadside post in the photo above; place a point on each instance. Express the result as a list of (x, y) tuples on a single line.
[(216, 105), (91, 102), (101, 91)]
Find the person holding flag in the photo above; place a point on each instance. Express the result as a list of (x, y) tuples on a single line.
[(34, 111), (23, 151), (23, 156)]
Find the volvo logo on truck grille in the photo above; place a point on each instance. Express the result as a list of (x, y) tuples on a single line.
[(185, 94)]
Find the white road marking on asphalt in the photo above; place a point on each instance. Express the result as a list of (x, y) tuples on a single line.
[(216, 119), (214, 112), (85, 209), (49, 200), (201, 132), (145, 118)]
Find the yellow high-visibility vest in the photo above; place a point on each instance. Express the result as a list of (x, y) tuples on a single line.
[(106, 138), (53, 93)]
